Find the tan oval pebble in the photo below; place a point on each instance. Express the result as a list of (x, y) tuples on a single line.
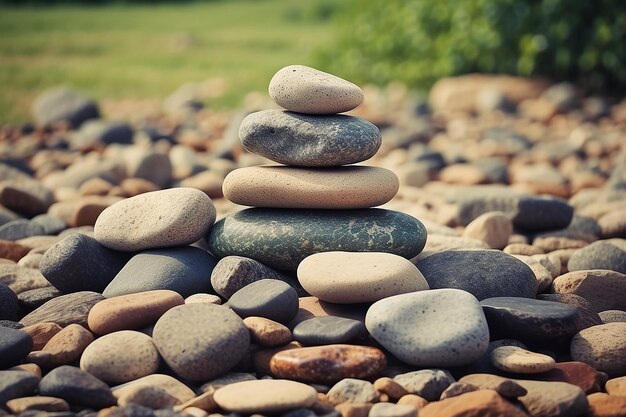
[(42, 333), (39, 403), (308, 90), (132, 311), (521, 361), (413, 400), (149, 396), (265, 396), (522, 249), (67, 345), (203, 298), (171, 385), (346, 187), (358, 277), (616, 386), (171, 217), (603, 347), (33, 368), (121, 357), (266, 332), (494, 228)]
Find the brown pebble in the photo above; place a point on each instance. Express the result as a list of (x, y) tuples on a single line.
[(604, 405), (261, 358), (42, 333), (135, 186), (12, 250), (458, 388), (390, 387), (413, 400), (39, 403), (67, 345), (266, 332), (616, 386), (33, 368)]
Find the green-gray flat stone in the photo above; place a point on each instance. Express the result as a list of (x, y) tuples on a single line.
[(282, 238)]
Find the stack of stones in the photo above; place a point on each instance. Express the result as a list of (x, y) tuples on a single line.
[(317, 201)]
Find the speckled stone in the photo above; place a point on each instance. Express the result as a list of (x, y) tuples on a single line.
[(604, 405), (517, 360), (39, 403), (443, 327), (427, 383), (186, 270), (67, 345), (612, 316), (121, 357), (65, 309), (307, 90), (201, 352), (327, 364), (172, 217), (605, 290), (474, 271), (603, 347), (350, 390), (15, 384), (150, 396), (529, 320), (131, 311), (32, 299), (266, 332), (328, 330), (313, 141), (173, 387), (15, 345), (598, 255), (558, 399), (77, 388), (350, 187), (543, 276), (359, 277), (269, 298), (282, 238), (79, 263), (587, 317), (265, 396)]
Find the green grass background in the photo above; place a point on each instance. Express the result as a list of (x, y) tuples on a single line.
[(125, 51)]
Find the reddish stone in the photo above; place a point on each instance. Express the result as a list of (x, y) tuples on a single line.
[(575, 373), (604, 405), (483, 403), (13, 251)]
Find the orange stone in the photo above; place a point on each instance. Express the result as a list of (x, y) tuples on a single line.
[(483, 403)]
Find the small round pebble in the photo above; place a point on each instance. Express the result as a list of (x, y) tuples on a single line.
[(521, 361)]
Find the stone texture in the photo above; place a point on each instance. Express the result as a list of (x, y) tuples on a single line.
[(458, 388), (65, 310), (350, 390), (9, 304), (42, 333), (507, 388), (427, 383), (131, 390), (132, 311), (389, 387), (328, 330), (598, 255), (269, 298), (266, 332), (20, 279), (77, 388), (172, 217), (327, 364), (612, 316), (553, 399), (493, 228), (605, 290), (201, 353), (33, 299), (186, 270), (392, 410), (15, 384), (293, 234), (575, 373), (603, 405), (474, 272), (15, 345), (587, 317), (314, 141), (349, 187), (603, 347), (521, 361), (67, 345), (484, 403), (12, 250), (444, 327), (344, 277), (39, 403), (307, 90)]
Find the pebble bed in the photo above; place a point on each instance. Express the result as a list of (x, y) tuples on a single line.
[(463, 258)]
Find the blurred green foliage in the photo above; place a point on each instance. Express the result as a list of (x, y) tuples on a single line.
[(419, 41)]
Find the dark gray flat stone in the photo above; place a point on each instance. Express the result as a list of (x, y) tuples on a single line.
[(32, 299), (483, 273), (186, 270), (15, 345), (77, 387), (270, 298), (327, 330), (305, 140), (598, 255), (20, 229), (9, 304), (16, 384), (65, 309), (587, 316), (282, 238), (79, 263)]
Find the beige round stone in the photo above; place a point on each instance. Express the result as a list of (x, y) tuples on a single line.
[(603, 347), (121, 357), (494, 228), (521, 361), (265, 396), (203, 298), (307, 90), (347, 187), (172, 217), (358, 277)]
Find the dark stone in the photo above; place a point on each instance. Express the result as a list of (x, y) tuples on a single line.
[(580, 228), (587, 316), (33, 299), (483, 273), (15, 345), (598, 255), (79, 263), (20, 229), (543, 213), (186, 270), (304, 140), (269, 298), (65, 310), (529, 320), (7, 216), (612, 316), (11, 324), (51, 225), (9, 304), (16, 384), (64, 105), (103, 132), (328, 330), (77, 387), (282, 238)]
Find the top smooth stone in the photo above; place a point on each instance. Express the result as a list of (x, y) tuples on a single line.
[(307, 90), (309, 141), (165, 218)]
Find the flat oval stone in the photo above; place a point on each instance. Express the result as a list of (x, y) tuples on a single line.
[(328, 330), (170, 385), (349, 187), (575, 373), (553, 399), (269, 298), (33, 299), (311, 141), (79, 263), (308, 90), (521, 361), (132, 311), (67, 345), (327, 364), (474, 272), (201, 352), (15, 345), (603, 347), (39, 403), (444, 327), (172, 217), (186, 270), (121, 357), (65, 309), (604, 289), (598, 255), (265, 396), (266, 332), (20, 229), (77, 387), (529, 320), (358, 277), (283, 238)]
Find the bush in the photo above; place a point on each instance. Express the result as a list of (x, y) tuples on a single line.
[(420, 41)]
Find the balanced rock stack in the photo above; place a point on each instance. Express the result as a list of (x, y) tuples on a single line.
[(317, 201)]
